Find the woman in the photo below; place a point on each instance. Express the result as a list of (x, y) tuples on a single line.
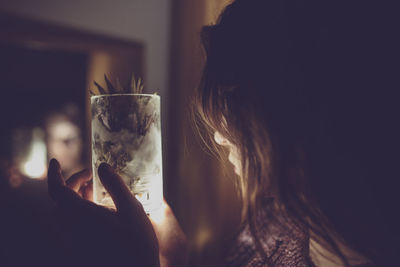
[(64, 138), (300, 93)]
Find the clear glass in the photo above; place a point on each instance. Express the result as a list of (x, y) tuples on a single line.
[(126, 133)]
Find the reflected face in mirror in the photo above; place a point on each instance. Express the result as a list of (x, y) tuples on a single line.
[(64, 143), (234, 155)]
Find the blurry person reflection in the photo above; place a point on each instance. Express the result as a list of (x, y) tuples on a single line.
[(4, 174), (10, 175), (64, 138)]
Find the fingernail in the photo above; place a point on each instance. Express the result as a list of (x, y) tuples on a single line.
[(104, 169)]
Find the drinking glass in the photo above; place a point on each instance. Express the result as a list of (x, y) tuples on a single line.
[(126, 133)]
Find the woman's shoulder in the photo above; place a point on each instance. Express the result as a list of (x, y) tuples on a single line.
[(284, 245)]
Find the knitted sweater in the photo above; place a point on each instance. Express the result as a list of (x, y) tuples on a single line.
[(284, 246)]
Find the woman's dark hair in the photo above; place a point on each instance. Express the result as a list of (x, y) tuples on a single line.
[(69, 112), (305, 90)]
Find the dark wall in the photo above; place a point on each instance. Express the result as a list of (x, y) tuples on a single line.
[(34, 81)]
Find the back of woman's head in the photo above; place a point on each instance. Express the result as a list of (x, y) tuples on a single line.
[(305, 90)]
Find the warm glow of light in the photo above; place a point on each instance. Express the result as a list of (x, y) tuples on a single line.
[(159, 216), (34, 169), (35, 164), (203, 237)]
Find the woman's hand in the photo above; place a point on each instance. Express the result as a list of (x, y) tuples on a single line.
[(171, 239), (97, 236)]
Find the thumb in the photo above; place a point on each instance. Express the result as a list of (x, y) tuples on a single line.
[(123, 199)]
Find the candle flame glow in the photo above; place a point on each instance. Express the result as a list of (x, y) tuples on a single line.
[(35, 165)]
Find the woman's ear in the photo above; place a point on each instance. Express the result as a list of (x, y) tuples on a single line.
[(220, 140)]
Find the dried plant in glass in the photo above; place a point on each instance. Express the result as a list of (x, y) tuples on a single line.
[(126, 133)]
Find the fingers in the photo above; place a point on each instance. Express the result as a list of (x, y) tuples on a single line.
[(58, 190), (56, 185), (123, 199), (54, 179), (76, 181), (87, 191), (69, 199)]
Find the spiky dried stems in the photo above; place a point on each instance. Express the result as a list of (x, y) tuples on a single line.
[(134, 87)]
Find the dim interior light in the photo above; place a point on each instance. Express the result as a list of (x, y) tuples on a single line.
[(35, 164), (203, 236), (159, 216)]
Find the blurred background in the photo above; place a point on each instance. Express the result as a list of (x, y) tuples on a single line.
[(50, 54)]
